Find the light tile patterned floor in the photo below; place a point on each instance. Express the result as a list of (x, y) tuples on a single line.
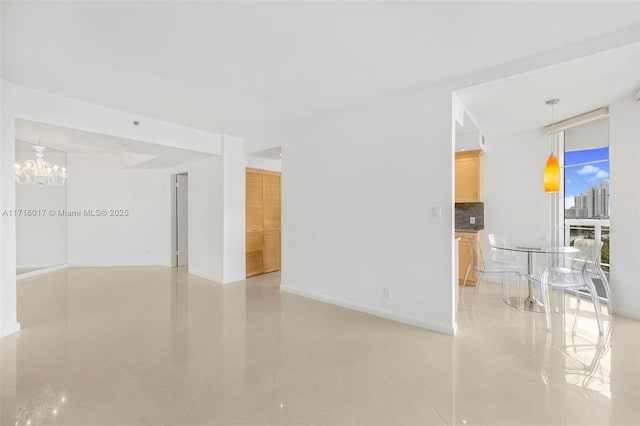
[(155, 346)]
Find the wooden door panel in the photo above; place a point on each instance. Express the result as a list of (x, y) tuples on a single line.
[(255, 264), (271, 212), (254, 203), (254, 241), (271, 251), (271, 218)]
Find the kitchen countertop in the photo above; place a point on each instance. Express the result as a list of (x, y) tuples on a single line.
[(471, 230)]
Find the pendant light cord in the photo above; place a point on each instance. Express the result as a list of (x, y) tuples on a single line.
[(552, 122), (552, 102)]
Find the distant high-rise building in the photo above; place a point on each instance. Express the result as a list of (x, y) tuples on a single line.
[(601, 200), (594, 204), (590, 196)]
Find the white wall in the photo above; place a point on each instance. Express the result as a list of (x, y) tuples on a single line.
[(3, 223), (624, 154), (358, 190), (515, 204), (102, 182), (206, 218), (29, 104), (8, 321), (41, 240), (216, 214), (262, 163), (233, 179)]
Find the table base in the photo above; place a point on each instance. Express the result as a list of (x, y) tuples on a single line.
[(528, 304)]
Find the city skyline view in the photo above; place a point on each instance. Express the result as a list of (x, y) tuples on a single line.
[(586, 174)]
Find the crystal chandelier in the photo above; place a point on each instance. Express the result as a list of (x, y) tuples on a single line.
[(40, 171)]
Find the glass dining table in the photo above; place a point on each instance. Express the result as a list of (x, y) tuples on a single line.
[(530, 303)]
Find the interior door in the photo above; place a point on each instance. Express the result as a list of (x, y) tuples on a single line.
[(271, 222), (262, 221), (182, 219), (254, 226)]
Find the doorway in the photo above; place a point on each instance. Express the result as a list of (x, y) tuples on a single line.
[(182, 219), (263, 238)]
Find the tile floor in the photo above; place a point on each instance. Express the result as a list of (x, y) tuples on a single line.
[(155, 346)]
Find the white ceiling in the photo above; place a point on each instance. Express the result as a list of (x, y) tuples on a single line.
[(518, 102), (239, 66), (148, 155)]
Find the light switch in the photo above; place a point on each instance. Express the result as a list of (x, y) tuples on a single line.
[(436, 211)]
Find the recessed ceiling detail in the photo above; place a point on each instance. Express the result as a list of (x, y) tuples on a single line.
[(140, 154)]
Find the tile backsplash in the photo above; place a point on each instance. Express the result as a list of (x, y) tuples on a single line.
[(466, 211)]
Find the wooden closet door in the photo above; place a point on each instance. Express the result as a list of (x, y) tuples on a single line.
[(254, 227), (262, 222), (271, 222)]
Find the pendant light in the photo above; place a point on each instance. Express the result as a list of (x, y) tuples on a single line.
[(552, 169)]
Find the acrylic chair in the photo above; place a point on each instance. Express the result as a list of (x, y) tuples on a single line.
[(504, 257), (482, 268), (590, 261), (568, 271)]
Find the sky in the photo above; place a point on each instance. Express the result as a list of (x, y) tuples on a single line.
[(583, 169)]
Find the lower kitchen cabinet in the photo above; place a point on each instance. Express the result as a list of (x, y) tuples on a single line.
[(464, 256)]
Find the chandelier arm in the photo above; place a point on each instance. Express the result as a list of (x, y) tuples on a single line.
[(56, 180), (40, 171), (22, 179)]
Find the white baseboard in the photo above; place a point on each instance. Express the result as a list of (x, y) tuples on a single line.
[(41, 271), (204, 277), (13, 328), (393, 316), (112, 264), (71, 266), (36, 265)]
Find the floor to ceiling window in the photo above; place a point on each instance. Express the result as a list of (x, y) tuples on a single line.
[(586, 185)]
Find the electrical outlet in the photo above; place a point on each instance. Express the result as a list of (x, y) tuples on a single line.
[(472, 220), (386, 293)]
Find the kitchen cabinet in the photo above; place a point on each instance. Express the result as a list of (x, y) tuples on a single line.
[(263, 238), (464, 256), (468, 176)]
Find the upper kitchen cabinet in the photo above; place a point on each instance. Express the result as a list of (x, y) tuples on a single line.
[(469, 176)]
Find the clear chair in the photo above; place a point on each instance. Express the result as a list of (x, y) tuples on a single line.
[(504, 257), (568, 271), (590, 261), (482, 268)]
